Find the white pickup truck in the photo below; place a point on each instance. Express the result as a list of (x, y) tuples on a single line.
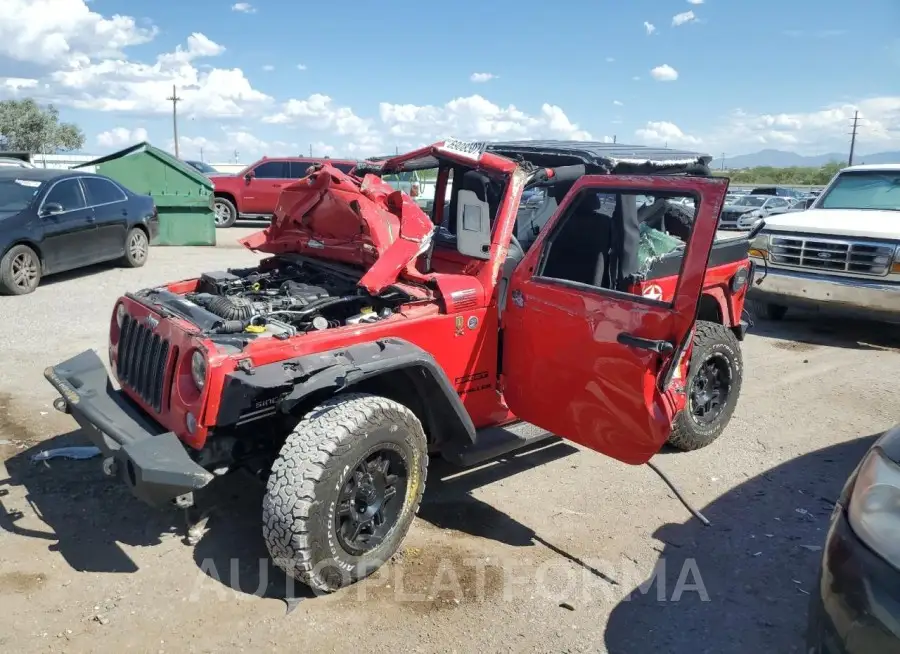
[(843, 253)]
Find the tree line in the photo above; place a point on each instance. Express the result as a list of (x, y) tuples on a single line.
[(790, 176), (26, 126)]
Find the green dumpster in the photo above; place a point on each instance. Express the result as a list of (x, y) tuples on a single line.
[(183, 196)]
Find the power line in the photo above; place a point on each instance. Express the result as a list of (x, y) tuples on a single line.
[(853, 137), (175, 100)]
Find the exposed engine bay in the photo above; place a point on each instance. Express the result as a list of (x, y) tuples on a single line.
[(279, 298)]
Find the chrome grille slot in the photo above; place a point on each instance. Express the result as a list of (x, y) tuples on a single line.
[(142, 360), (832, 255)]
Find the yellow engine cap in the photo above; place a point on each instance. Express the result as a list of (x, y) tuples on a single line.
[(255, 329)]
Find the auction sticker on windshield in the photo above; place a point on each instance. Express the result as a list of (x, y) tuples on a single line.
[(30, 183)]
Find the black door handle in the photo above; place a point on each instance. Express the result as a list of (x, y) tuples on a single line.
[(91, 219), (661, 347)]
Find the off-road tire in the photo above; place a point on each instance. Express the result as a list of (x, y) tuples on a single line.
[(766, 310), (228, 206), (710, 340), (303, 488), (137, 248), (16, 257)]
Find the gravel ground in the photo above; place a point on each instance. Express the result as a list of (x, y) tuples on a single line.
[(556, 549)]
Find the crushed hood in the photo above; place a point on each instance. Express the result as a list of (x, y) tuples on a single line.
[(362, 222)]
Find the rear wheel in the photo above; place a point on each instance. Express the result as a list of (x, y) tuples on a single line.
[(20, 271), (137, 248), (225, 212), (713, 386), (344, 490), (766, 310)]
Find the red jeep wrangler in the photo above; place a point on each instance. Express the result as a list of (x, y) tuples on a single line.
[(253, 193), (375, 337)]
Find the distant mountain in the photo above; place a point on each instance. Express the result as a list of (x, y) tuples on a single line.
[(783, 159)]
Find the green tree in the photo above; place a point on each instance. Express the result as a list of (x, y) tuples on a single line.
[(26, 126)]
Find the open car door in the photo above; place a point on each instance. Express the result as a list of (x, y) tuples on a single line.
[(584, 360)]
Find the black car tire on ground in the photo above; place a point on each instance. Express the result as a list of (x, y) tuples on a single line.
[(225, 213), (20, 271), (344, 490), (766, 310), (137, 248), (716, 371)]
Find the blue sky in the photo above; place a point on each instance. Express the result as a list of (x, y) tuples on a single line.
[(277, 76)]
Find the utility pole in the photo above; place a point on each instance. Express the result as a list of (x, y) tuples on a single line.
[(201, 153), (235, 156), (614, 139), (723, 161), (853, 137), (175, 100), (310, 149)]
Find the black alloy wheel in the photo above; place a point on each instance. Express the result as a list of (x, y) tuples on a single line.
[(709, 390), (371, 499)]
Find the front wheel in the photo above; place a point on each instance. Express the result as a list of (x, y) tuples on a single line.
[(344, 490), (20, 271), (713, 386)]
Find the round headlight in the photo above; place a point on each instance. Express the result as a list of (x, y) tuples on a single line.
[(198, 369), (120, 315)]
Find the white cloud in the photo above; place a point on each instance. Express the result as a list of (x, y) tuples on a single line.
[(243, 7), (482, 77), (120, 137), (268, 68), (474, 117), (818, 131), (12, 85), (301, 67), (695, 2), (682, 18), (663, 132), (64, 32), (618, 103), (233, 143), (650, 27), (80, 55), (664, 73)]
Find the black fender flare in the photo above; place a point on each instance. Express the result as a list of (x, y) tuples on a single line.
[(254, 393)]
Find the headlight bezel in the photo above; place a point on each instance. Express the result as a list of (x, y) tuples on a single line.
[(199, 369), (875, 521), (120, 314)]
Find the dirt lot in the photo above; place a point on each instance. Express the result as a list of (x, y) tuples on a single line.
[(543, 551)]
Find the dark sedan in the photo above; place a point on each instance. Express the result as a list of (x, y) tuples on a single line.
[(57, 220), (856, 607)]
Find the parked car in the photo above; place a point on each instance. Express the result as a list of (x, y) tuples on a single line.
[(746, 210), (253, 193), (842, 254), (202, 166), (56, 220), (778, 191), (855, 608)]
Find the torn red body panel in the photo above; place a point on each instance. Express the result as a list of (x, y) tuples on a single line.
[(362, 222)]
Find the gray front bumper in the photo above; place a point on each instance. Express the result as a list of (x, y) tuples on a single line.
[(864, 297)]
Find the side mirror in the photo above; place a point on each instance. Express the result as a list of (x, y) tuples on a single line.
[(51, 209), (473, 226), (249, 176)]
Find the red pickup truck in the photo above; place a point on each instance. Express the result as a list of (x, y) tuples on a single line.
[(253, 193)]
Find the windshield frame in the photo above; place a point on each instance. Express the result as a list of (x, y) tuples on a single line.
[(823, 197), (15, 181)]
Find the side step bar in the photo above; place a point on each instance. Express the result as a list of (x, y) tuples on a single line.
[(495, 441)]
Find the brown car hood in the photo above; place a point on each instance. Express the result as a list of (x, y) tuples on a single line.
[(363, 222)]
